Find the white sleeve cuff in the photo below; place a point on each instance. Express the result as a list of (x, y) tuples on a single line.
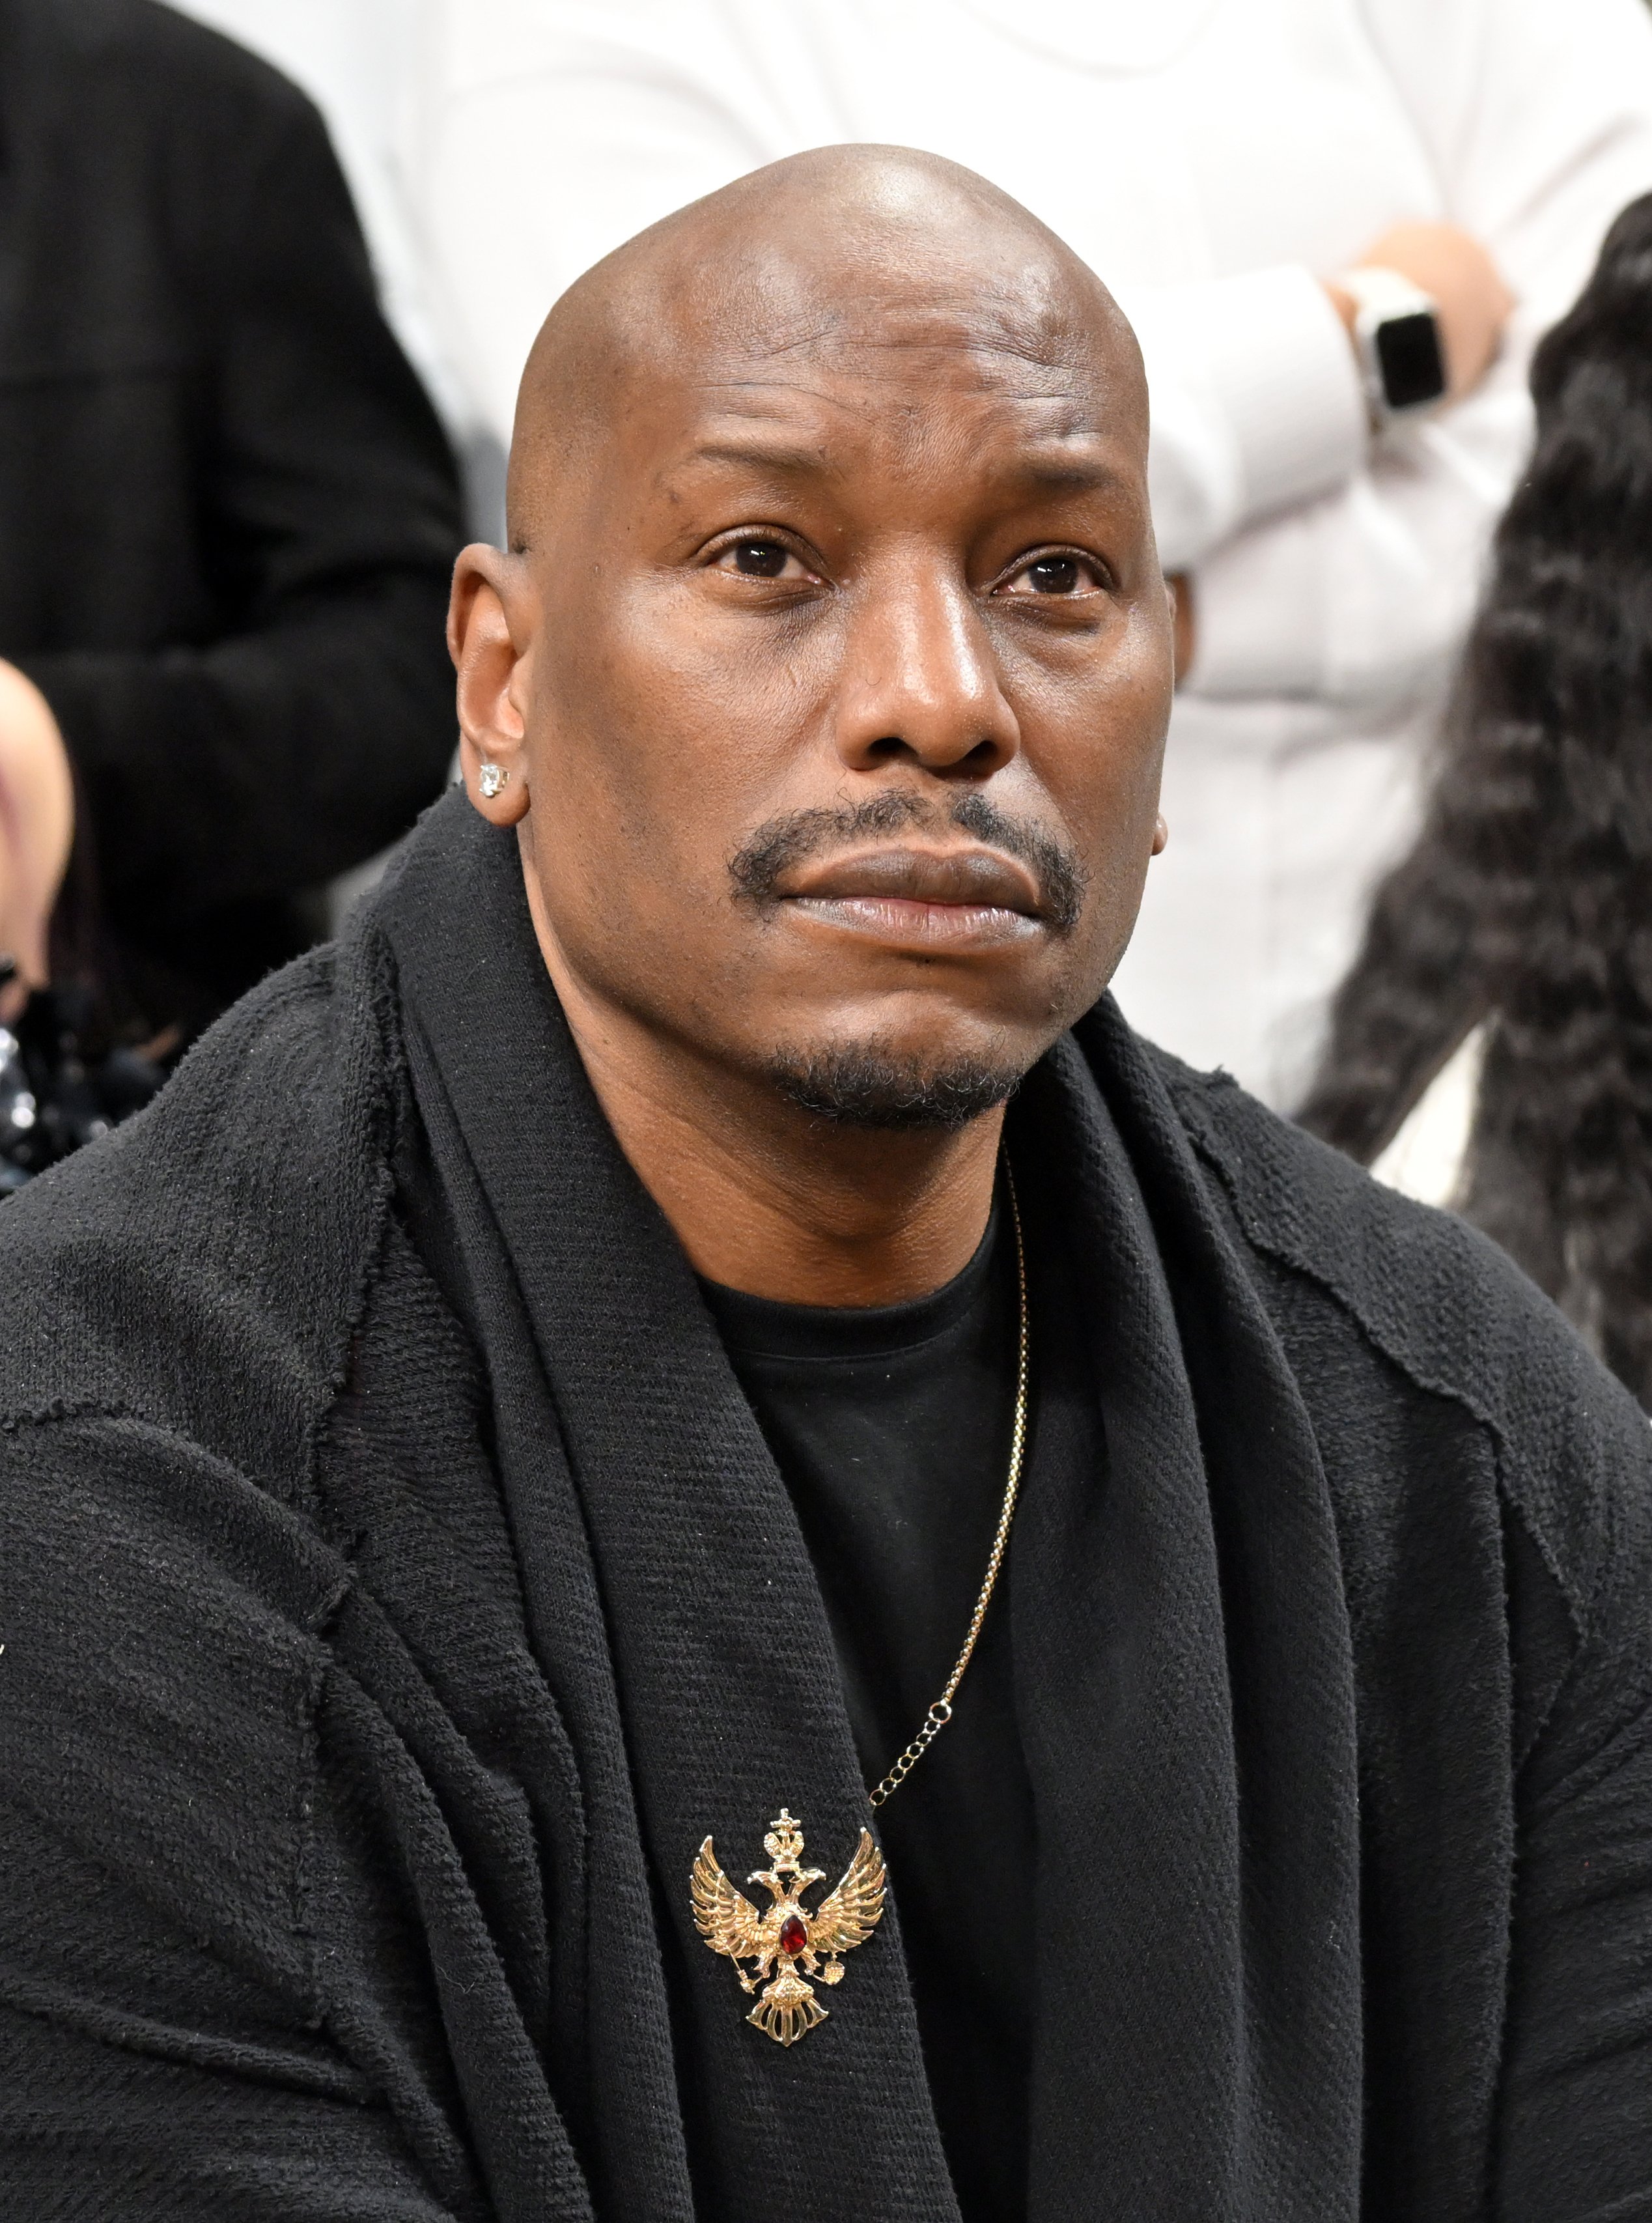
[(1257, 402)]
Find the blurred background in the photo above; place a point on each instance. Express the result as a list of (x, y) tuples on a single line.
[(268, 272)]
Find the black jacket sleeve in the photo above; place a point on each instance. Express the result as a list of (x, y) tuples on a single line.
[(307, 728), (166, 2052), (1576, 2142)]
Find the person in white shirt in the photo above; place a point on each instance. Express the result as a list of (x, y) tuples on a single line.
[(1221, 164)]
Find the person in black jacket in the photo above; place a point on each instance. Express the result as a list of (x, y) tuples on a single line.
[(228, 512), (696, 1331)]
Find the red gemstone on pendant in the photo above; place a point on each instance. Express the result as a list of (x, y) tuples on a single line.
[(793, 1935)]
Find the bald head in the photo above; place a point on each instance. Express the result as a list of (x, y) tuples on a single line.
[(875, 258)]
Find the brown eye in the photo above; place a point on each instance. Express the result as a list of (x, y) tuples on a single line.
[(1054, 575), (759, 559)]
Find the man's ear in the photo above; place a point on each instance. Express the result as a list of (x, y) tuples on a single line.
[(490, 639)]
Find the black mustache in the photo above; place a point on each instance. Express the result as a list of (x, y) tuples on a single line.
[(783, 842)]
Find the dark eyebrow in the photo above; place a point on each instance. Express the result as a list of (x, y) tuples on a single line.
[(1041, 475), (1066, 476), (760, 456)]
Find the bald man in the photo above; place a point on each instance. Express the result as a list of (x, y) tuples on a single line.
[(680, 1539)]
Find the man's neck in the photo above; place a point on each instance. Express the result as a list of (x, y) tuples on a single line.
[(774, 1200)]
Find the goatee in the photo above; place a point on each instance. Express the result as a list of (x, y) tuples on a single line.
[(872, 1088)]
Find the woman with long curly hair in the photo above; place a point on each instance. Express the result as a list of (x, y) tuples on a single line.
[(1507, 960)]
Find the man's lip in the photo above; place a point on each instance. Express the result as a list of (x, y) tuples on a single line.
[(974, 879)]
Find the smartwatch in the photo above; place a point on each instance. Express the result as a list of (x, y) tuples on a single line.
[(1397, 334)]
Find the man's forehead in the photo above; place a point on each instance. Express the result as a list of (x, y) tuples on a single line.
[(1026, 329), (897, 359), (1058, 438), (1057, 425), (897, 301)]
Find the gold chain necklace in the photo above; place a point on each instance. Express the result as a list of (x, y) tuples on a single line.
[(941, 1712), (794, 1941)]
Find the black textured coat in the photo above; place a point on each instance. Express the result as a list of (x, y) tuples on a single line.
[(226, 511), (394, 1587)]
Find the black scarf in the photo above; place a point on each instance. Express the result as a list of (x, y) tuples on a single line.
[(1185, 1685)]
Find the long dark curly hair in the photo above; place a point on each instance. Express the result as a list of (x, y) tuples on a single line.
[(1526, 902)]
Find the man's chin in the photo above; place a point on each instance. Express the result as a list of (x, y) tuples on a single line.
[(881, 1091)]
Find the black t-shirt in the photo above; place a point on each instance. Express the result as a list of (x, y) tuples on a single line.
[(891, 1427)]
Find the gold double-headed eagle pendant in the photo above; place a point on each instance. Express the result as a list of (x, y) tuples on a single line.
[(789, 1942)]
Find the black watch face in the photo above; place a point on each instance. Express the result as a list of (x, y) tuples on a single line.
[(1408, 355)]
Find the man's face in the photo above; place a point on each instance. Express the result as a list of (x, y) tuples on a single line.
[(845, 706)]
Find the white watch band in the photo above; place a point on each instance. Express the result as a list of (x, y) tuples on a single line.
[(1380, 293)]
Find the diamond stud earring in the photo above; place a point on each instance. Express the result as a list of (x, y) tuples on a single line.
[(490, 779)]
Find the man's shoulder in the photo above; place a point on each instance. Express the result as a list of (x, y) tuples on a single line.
[(171, 53), (1422, 1284), (1439, 1313), (186, 119), (202, 1260)]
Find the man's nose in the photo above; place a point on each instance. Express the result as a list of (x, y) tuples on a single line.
[(920, 680)]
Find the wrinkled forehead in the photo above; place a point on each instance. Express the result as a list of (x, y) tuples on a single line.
[(860, 340), (900, 359), (860, 295)]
